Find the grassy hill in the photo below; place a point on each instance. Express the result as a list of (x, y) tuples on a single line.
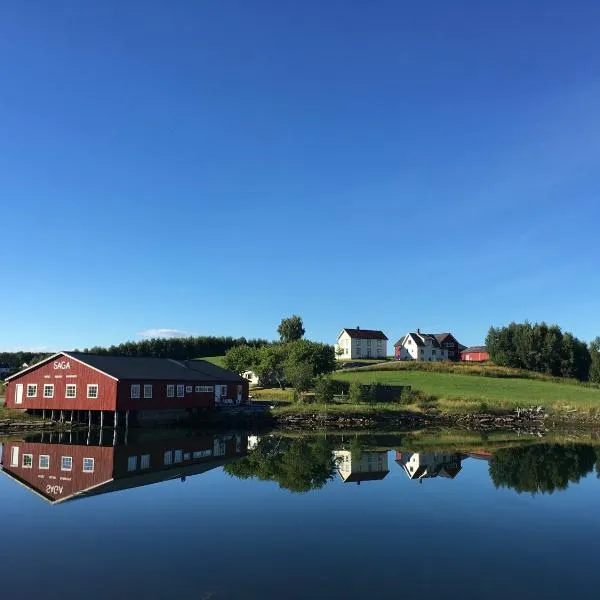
[(215, 360), (460, 387)]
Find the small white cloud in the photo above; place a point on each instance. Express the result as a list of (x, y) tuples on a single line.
[(163, 332)]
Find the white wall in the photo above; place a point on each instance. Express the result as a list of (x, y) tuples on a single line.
[(428, 353)]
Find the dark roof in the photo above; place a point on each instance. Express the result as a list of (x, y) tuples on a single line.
[(366, 334), (139, 367), (475, 349), (418, 339), (366, 476), (450, 471)]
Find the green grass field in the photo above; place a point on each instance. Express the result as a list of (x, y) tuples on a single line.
[(457, 392), (215, 360)]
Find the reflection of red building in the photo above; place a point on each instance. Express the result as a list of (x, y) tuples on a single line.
[(81, 386), (64, 471)]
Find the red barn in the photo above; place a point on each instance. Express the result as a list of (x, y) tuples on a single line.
[(475, 354), (79, 386)]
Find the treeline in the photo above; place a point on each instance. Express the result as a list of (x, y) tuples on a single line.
[(545, 349), (16, 360), (185, 348)]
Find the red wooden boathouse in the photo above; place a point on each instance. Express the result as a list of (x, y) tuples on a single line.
[(475, 354), (80, 386)]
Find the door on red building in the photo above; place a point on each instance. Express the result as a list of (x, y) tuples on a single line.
[(19, 393)]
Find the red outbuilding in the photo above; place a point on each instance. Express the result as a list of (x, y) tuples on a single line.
[(475, 354), (85, 387)]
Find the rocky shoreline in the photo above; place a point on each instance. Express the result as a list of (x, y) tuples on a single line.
[(529, 419)]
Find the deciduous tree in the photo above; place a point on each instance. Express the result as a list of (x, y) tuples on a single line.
[(291, 329)]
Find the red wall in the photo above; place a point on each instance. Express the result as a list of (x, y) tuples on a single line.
[(160, 400), (112, 395), (474, 356), (81, 375), (54, 483)]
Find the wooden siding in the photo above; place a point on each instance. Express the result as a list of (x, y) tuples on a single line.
[(474, 356), (160, 400), (80, 374), (112, 394)]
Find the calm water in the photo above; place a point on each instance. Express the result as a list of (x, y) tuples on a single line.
[(205, 515)]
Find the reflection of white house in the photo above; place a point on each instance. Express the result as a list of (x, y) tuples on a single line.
[(363, 466), (251, 376), (361, 343), (421, 465), (420, 346)]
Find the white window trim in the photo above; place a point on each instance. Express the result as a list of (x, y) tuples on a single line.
[(189, 389), (93, 465), (23, 461), (136, 387), (182, 388), (51, 386), (62, 466), (170, 390), (145, 461), (132, 460), (35, 386), (93, 385), (148, 386), (68, 386), (40, 461)]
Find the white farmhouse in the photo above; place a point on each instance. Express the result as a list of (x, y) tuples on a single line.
[(420, 346), (361, 343)]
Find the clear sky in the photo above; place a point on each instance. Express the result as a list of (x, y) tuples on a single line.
[(211, 167)]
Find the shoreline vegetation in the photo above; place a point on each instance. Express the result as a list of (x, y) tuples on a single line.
[(446, 392)]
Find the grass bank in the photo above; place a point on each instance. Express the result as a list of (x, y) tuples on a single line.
[(15, 415), (215, 360), (457, 391)]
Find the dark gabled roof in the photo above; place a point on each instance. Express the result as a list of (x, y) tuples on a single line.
[(418, 338), (366, 476), (139, 367), (475, 349), (436, 338), (143, 479), (366, 334), (450, 471)]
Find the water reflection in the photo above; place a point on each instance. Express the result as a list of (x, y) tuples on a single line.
[(60, 468), (541, 468), (296, 464), (356, 466), (423, 465), (64, 467)]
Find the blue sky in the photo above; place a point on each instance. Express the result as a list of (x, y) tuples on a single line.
[(210, 167)]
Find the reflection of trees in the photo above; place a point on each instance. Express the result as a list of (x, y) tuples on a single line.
[(542, 467), (297, 465)]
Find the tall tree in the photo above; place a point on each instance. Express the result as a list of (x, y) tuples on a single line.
[(595, 360), (291, 329)]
